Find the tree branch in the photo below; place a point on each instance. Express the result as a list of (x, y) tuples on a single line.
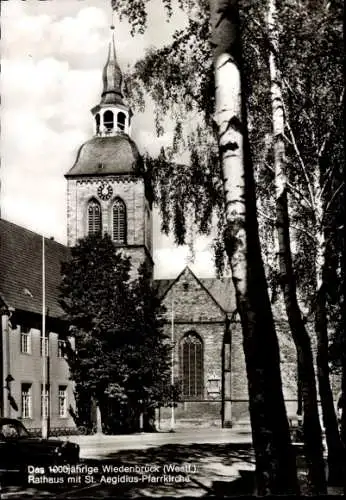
[(293, 190), (300, 159), (294, 93), (331, 127), (266, 216), (328, 176), (334, 195)]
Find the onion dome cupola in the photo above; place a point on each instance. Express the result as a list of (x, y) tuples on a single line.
[(110, 151), (112, 116)]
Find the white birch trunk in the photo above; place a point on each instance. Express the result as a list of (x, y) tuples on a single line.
[(228, 119), (277, 107), (319, 233)]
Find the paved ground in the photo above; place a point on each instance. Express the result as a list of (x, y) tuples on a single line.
[(193, 462), (185, 463), (98, 446)]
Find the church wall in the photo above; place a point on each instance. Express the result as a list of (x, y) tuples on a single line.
[(138, 256), (195, 311), (212, 336), (191, 302), (28, 369), (129, 189), (71, 212), (239, 388), (239, 379), (208, 409)]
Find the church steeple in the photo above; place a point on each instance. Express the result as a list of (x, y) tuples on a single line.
[(112, 116), (112, 78)]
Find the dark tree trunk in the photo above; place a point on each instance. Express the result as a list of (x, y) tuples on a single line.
[(335, 449), (343, 416), (299, 392), (343, 403), (306, 373), (275, 460)]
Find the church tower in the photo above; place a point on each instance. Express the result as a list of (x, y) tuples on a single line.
[(106, 193)]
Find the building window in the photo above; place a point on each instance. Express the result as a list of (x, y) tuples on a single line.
[(25, 340), (94, 217), (45, 401), (121, 121), (108, 120), (61, 348), (62, 401), (191, 366), (26, 399), (119, 221), (44, 346)]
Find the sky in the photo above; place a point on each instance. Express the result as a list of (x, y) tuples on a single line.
[(52, 56)]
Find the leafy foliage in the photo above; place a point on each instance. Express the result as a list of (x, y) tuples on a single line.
[(117, 325), (179, 79)]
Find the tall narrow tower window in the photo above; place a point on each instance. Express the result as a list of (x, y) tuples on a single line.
[(121, 121), (119, 221), (97, 120), (191, 366), (94, 217), (108, 120)]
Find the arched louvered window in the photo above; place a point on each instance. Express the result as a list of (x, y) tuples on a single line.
[(97, 120), (191, 366), (119, 221), (94, 217), (121, 121), (108, 120)]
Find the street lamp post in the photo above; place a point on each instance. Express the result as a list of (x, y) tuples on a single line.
[(141, 416)]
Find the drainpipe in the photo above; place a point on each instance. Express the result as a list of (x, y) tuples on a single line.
[(226, 377), (5, 328)]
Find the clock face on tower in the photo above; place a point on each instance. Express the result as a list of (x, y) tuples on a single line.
[(105, 191)]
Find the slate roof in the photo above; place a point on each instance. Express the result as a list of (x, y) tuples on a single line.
[(105, 156), (222, 290), (21, 269), (21, 273)]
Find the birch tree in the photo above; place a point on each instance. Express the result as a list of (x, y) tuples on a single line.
[(312, 428), (275, 461), (314, 95)]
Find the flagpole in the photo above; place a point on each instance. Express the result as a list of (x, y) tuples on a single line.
[(172, 367), (44, 359)]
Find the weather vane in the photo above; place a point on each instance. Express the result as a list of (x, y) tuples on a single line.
[(113, 16)]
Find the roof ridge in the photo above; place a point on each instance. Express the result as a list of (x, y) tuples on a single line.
[(27, 230)]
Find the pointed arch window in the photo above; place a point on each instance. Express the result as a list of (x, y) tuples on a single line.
[(121, 121), (94, 217), (191, 366), (119, 221), (108, 120)]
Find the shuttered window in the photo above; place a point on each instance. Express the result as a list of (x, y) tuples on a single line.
[(191, 366), (94, 217), (121, 121), (108, 120), (119, 221)]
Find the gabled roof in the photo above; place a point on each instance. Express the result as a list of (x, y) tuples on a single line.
[(221, 290), (21, 269)]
